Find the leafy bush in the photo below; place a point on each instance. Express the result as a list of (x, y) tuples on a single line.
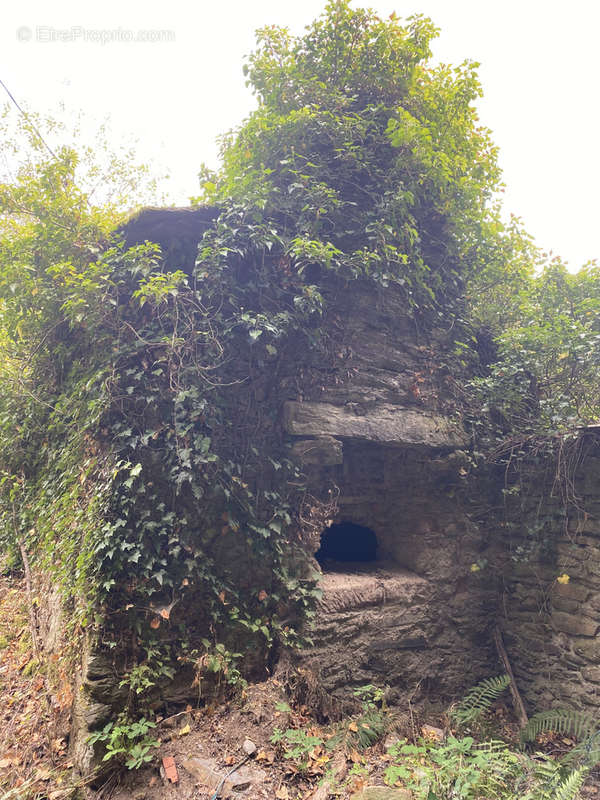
[(127, 742)]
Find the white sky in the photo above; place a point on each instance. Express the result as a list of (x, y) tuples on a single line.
[(539, 69)]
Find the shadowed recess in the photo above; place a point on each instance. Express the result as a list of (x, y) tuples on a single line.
[(347, 541)]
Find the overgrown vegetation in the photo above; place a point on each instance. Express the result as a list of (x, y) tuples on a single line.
[(134, 384), (140, 463), (462, 761)]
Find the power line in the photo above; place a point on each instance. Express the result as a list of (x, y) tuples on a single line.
[(29, 122)]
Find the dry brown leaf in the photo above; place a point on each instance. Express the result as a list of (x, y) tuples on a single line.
[(266, 755), (353, 727), (282, 793)]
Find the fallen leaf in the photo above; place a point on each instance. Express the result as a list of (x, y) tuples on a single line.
[(185, 730), (353, 727), (266, 755), (282, 793)]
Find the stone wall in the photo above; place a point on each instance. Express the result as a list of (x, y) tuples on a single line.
[(381, 434), (373, 416), (419, 619), (550, 606)]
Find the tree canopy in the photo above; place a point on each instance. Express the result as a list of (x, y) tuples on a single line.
[(366, 157)]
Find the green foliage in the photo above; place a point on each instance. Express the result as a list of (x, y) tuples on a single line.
[(463, 768), (297, 745), (568, 788), (130, 378), (364, 158), (152, 480), (54, 295), (585, 754), (371, 696), (458, 768), (127, 742), (220, 663), (545, 380), (478, 700), (554, 782), (564, 721), (147, 673)]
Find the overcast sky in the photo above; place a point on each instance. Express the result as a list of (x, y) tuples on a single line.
[(539, 69)]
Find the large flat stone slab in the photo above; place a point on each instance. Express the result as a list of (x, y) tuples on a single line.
[(346, 589), (385, 424)]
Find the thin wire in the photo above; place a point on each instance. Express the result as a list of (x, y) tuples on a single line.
[(224, 778), (26, 116)]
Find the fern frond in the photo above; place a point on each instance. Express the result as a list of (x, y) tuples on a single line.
[(563, 721), (585, 754), (549, 775), (491, 746), (569, 788), (371, 727), (479, 699), (547, 771)]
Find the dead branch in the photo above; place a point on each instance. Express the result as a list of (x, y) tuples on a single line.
[(517, 700)]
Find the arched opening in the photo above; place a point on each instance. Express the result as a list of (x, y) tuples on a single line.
[(347, 542)]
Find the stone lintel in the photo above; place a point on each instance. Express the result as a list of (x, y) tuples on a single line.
[(385, 424)]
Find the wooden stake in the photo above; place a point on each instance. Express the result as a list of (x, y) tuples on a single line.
[(517, 700)]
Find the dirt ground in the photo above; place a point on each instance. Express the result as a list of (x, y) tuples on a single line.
[(35, 706), (218, 735)]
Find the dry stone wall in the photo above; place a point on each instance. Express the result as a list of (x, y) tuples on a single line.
[(379, 434), (550, 605), (419, 618), (372, 414)]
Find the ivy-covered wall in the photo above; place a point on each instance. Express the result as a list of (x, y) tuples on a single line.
[(226, 478)]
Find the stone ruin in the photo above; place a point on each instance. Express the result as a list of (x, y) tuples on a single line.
[(405, 600)]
